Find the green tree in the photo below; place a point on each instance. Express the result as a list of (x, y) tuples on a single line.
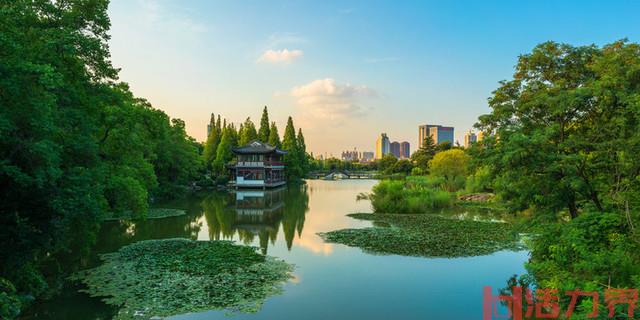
[(290, 144), (264, 132), (386, 163), (76, 146), (452, 166), (274, 138), (211, 145), (247, 132), (224, 153), (302, 152), (421, 157)]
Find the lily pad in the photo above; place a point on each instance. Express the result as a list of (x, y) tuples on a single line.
[(160, 278), (426, 236)]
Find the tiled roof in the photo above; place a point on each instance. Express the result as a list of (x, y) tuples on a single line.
[(257, 147)]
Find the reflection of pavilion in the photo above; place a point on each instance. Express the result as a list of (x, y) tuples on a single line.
[(260, 214), (259, 203)]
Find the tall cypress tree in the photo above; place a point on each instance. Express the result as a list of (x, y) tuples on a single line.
[(247, 132), (290, 144), (211, 146), (274, 137), (302, 152), (264, 131), (223, 152)]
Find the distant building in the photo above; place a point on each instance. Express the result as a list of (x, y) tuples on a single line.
[(395, 149), (405, 152), (367, 156), (439, 134), (350, 155), (382, 146), (479, 136), (469, 138)]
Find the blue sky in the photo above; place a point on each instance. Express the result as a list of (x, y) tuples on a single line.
[(345, 70)]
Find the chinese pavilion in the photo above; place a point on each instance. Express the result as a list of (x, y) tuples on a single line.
[(258, 165)]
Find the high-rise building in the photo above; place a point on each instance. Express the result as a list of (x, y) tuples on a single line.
[(350, 155), (469, 138), (382, 146), (439, 134), (395, 149), (405, 152), (479, 136)]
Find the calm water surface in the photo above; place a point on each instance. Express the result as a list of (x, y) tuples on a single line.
[(331, 281)]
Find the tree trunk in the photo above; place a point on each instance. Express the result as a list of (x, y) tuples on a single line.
[(573, 209)]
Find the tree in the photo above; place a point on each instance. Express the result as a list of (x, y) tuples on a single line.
[(302, 152), (563, 128), (421, 157), (290, 145), (211, 145), (264, 132), (274, 138), (76, 146), (452, 166), (443, 146), (247, 132), (386, 163), (224, 153)]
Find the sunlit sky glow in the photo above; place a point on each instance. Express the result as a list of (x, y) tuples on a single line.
[(345, 70)]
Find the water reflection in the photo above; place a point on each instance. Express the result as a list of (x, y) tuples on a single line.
[(251, 214)]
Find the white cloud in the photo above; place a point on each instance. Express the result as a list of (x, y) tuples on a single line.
[(326, 99), (280, 56)]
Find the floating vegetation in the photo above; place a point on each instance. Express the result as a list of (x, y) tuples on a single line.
[(152, 213), (426, 236), (160, 278)]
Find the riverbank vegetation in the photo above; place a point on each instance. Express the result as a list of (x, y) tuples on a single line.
[(152, 213), (563, 139), (560, 155), (426, 236), (160, 278), (78, 147)]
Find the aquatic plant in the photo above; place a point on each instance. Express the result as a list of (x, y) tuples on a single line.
[(152, 213), (408, 196), (426, 235), (159, 278)]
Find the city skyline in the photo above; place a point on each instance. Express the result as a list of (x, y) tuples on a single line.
[(341, 69)]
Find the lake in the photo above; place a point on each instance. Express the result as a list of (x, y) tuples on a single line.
[(331, 281)]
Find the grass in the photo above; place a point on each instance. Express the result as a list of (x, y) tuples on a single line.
[(153, 213), (160, 278), (426, 236), (408, 196)]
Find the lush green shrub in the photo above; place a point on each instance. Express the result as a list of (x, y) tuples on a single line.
[(591, 252), (408, 196), (479, 181), (9, 301), (452, 166)]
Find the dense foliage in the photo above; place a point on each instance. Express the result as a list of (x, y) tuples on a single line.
[(75, 144), (563, 140), (160, 278)]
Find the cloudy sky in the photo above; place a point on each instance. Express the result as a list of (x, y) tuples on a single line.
[(345, 70)]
